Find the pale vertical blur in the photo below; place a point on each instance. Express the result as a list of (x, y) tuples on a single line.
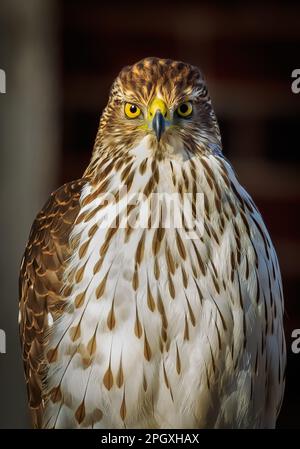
[(29, 158)]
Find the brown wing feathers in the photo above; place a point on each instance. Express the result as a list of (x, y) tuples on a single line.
[(40, 284)]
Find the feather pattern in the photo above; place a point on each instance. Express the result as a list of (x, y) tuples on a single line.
[(153, 327)]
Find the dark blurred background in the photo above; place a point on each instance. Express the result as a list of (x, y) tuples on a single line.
[(60, 58)]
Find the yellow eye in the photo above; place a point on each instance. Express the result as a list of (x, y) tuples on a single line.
[(132, 110), (185, 109)]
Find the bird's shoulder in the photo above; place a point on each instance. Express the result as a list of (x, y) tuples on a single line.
[(48, 244)]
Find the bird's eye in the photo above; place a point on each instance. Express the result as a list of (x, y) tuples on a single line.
[(132, 110), (185, 109)]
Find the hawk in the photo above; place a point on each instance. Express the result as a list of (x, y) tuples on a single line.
[(153, 325)]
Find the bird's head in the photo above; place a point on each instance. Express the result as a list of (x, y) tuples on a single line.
[(162, 104)]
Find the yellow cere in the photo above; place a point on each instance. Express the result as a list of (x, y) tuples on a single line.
[(185, 109), (158, 105), (132, 110)]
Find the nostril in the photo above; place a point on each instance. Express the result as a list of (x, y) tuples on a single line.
[(165, 114)]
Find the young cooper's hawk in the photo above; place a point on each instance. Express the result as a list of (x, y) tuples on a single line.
[(146, 326)]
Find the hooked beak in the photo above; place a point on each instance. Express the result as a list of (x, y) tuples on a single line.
[(158, 124), (158, 114)]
